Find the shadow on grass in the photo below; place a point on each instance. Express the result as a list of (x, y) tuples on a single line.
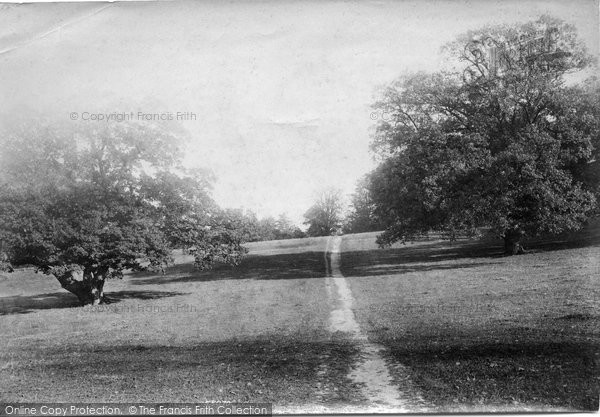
[(22, 304), (115, 297), (418, 258), (546, 245), (277, 370), (284, 266), (312, 264), (440, 255), (19, 304), (421, 257), (557, 374)]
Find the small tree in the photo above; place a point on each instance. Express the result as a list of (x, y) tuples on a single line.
[(501, 142), (286, 229), (324, 218), (84, 205)]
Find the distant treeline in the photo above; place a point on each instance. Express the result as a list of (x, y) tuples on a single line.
[(252, 229)]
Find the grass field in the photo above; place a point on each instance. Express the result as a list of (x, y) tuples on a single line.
[(476, 330), (254, 333), (479, 330)]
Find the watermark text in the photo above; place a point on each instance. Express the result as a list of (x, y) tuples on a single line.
[(86, 116)]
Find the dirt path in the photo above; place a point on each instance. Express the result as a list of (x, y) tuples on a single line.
[(371, 372)]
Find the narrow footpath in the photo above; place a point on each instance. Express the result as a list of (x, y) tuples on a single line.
[(371, 371)]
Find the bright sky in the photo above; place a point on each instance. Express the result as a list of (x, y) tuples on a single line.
[(281, 90)]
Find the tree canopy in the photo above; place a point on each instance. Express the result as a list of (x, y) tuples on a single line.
[(500, 141), (325, 216), (85, 204), (362, 217), (251, 229)]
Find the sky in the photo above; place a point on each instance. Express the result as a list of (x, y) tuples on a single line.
[(280, 92)]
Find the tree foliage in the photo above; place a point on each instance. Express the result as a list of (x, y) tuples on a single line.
[(502, 141), (252, 229), (285, 229), (85, 204), (362, 217), (325, 216)]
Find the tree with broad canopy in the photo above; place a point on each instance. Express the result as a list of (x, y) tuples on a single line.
[(325, 216), (85, 204), (503, 141)]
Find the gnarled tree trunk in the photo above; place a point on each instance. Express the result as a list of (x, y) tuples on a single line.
[(88, 286), (512, 242)]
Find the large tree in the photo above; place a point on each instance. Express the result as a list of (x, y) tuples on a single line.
[(86, 203), (325, 216), (504, 140)]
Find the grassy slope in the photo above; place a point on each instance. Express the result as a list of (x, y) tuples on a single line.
[(255, 333), (474, 328), (481, 331)]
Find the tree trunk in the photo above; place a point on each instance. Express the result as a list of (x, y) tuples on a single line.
[(512, 242), (87, 286)]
